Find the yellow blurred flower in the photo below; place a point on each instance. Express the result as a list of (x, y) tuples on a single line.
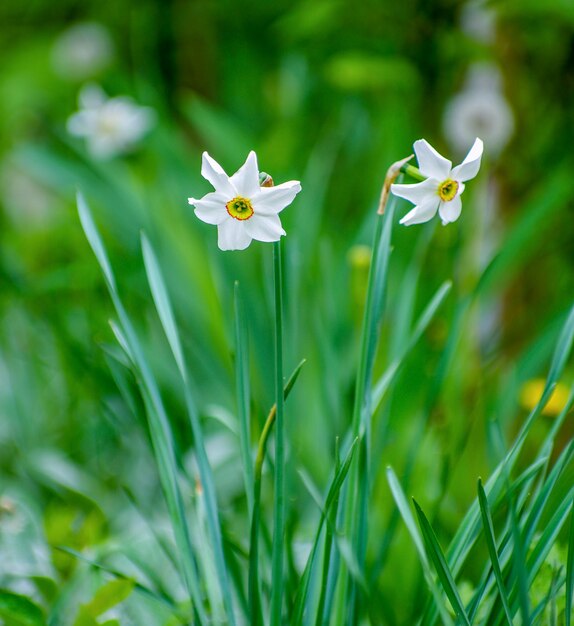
[(531, 393), (359, 257)]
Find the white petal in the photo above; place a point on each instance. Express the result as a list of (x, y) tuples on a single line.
[(469, 167), (431, 163), (81, 124), (418, 192), (213, 172), (246, 179), (231, 235), (138, 122), (271, 200), (450, 211), (92, 97), (211, 208), (264, 227), (421, 213), (103, 146)]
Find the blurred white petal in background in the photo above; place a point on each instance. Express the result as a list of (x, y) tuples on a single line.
[(479, 110), (82, 51)]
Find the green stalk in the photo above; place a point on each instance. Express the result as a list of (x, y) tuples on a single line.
[(254, 602), (354, 525), (160, 430), (242, 386), (570, 570), (328, 547), (413, 172), (279, 505)]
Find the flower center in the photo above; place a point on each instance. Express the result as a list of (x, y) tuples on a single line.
[(447, 190), (240, 208)]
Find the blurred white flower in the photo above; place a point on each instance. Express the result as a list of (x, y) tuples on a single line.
[(111, 126), (478, 21), (480, 109), (444, 184), (82, 51), (241, 209)]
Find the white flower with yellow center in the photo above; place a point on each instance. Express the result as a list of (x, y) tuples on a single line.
[(241, 209), (111, 126), (443, 186)]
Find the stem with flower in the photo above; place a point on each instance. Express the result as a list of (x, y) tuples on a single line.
[(244, 207)]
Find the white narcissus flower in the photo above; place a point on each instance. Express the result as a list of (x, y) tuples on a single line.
[(444, 184), (111, 126), (241, 209)]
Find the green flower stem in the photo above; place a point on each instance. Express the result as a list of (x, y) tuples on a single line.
[(279, 507), (242, 385), (413, 172), (332, 523), (355, 522), (254, 603)]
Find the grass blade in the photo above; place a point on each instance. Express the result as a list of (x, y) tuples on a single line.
[(161, 435), (437, 556), (354, 526), (253, 582), (95, 241), (469, 528), (167, 318), (424, 320), (492, 551), (332, 495), (570, 570), (405, 512), (279, 500), (155, 595)]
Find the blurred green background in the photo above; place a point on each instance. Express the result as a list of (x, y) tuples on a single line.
[(327, 92)]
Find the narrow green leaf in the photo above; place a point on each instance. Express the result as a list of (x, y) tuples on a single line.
[(437, 557), (162, 303), (468, 530), (545, 492), (253, 578), (424, 320), (321, 617), (18, 610), (556, 584), (405, 512), (161, 434), (518, 243), (146, 591), (570, 569), (109, 595), (548, 537), (354, 522), (520, 489), (167, 318), (492, 551), (95, 242), (120, 338), (279, 504), (332, 495)]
